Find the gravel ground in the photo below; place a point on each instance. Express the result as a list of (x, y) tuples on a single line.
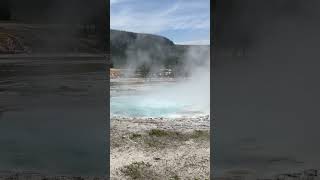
[(175, 153)]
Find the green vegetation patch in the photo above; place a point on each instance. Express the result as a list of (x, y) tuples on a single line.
[(175, 177), (138, 170), (162, 133), (200, 135), (135, 136), (160, 138)]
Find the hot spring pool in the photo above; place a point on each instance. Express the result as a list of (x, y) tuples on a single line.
[(184, 98), (151, 107)]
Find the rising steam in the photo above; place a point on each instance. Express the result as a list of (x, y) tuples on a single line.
[(187, 95)]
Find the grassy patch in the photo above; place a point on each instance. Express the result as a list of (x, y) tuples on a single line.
[(154, 143), (134, 136), (158, 133), (159, 138), (200, 134), (163, 133), (138, 170), (175, 177)]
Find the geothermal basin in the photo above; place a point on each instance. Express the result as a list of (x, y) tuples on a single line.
[(155, 98)]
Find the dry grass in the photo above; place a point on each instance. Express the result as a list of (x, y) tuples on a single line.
[(138, 170), (158, 138)]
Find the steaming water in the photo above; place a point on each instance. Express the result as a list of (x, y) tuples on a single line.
[(183, 97), (140, 106), (162, 100)]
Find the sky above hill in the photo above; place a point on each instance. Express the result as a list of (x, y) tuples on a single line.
[(182, 21)]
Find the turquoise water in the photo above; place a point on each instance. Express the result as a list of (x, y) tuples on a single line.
[(145, 106), (153, 100)]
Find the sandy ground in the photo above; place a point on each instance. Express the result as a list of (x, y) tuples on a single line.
[(178, 154)]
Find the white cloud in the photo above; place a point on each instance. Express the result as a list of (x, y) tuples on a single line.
[(181, 15), (195, 42)]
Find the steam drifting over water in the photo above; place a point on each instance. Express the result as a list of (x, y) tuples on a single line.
[(185, 97)]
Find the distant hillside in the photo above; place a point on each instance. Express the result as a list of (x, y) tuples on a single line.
[(126, 39), (128, 47)]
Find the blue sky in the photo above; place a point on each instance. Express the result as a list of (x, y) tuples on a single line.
[(182, 21)]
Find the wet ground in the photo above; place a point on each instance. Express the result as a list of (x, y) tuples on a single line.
[(53, 115)]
